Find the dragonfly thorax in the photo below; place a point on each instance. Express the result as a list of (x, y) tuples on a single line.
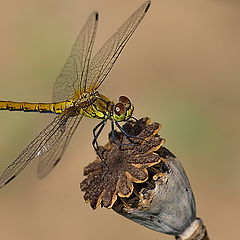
[(96, 105)]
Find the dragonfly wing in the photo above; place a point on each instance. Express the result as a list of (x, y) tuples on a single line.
[(74, 73), (105, 58), (49, 159), (46, 140)]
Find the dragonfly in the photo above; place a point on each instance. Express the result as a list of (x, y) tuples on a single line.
[(75, 95)]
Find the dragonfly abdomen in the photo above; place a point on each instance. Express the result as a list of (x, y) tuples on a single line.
[(56, 108)]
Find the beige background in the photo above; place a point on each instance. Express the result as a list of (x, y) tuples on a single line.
[(181, 68)]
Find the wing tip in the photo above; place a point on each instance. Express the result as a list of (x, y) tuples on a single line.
[(8, 181), (57, 161), (147, 6), (96, 16)]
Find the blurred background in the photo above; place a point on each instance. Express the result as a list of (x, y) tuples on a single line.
[(181, 68)]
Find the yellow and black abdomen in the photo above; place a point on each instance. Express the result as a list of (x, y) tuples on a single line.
[(56, 108)]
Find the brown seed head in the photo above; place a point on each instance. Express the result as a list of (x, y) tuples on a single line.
[(124, 161)]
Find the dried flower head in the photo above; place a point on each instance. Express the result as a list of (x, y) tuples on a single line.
[(143, 181), (122, 162)]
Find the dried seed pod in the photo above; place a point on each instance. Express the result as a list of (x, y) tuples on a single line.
[(143, 181), (169, 206), (124, 161)]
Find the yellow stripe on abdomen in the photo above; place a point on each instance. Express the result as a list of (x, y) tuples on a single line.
[(35, 107)]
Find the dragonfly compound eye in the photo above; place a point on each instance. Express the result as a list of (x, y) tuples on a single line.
[(119, 109), (125, 100)]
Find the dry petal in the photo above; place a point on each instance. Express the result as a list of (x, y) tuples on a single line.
[(124, 161)]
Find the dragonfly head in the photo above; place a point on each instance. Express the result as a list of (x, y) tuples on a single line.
[(122, 110)]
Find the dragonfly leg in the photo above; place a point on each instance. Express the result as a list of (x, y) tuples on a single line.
[(96, 132), (137, 121), (132, 117), (113, 132), (126, 134)]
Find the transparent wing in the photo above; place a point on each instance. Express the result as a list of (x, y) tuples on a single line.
[(105, 58), (50, 137), (74, 72), (50, 159)]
